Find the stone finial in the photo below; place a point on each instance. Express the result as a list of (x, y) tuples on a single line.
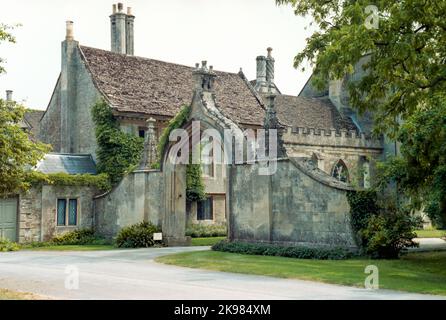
[(150, 155), (8, 95), (271, 122), (269, 50), (69, 31), (204, 77)]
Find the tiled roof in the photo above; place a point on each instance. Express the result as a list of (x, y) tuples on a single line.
[(318, 113), (139, 85), (67, 163)]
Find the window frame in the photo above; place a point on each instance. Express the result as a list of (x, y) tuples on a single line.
[(211, 200), (67, 201)]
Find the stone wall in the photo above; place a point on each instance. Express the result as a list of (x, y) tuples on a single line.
[(138, 197), (299, 204), (50, 123), (38, 208)]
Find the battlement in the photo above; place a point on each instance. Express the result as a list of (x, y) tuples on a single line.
[(332, 137)]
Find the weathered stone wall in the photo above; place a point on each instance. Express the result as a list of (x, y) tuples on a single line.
[(138, 197), (30, 215), (50, 123), (292, 206), (50, 194), (38, 211)]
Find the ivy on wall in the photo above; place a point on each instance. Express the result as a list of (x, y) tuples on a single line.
[(118, 152), (195, 189), (100, 181)]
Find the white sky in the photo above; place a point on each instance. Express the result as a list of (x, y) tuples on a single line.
[(229, 34)]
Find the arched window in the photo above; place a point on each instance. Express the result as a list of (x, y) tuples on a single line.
[(340, 171)]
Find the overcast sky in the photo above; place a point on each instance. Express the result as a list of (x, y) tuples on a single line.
[(229, 34)]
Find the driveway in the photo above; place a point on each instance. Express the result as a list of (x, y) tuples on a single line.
[(133, 274)]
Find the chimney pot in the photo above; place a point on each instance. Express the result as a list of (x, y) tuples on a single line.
[(114, 8), (269, 49), (8, 95), (69, 30), (129, 11), (120, 7)]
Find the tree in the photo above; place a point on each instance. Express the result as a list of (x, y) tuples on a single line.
[(17, 152), (404, 82)]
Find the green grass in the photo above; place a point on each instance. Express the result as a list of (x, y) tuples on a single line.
[(415, 272), (93, 247), (206, 241), (431, 233)]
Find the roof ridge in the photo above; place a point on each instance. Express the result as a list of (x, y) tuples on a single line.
[(151, 59)]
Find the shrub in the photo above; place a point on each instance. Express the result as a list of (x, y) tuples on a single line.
[(299, 252), (6, 245), (206, 231), (389, 234), (75, 237), (137, 236)]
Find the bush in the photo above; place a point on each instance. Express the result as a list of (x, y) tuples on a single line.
[(389, 234), (299, 252), (6, 245), (137, 236), (75, 237), (204, 231)]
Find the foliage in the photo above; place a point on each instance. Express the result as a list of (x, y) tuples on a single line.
[(175, 123), (403, 85), (195, 189), (382, 230), (100, 181), (118, 152), (298, 252), (137, 236), (206, 241), (5, 35), (389, 234), (6, 245), (420, 171), (206, 231), (17, 151), (75, 237), (363, 204)]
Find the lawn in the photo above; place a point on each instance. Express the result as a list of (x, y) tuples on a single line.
[(415, 272), (431, 233), (206, 241), (6, 294), (93, 247)]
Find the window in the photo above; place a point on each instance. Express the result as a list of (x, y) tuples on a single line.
[(340, 171), (207, 163), (141, 133), (205, 209), (67, 210)]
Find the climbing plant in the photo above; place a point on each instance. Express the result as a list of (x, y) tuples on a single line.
[(118, 152), (100, 181)]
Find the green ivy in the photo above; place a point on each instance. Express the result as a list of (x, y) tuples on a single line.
[(195, 189), (118, 152), (100, 181), (175, 123)]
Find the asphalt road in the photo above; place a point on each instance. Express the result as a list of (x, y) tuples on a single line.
[(133, 274)]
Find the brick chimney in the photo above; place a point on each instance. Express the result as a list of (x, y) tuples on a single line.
[(122, 30)]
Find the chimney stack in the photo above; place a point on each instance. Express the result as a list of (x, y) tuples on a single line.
[(270, 67), (204, 77), (8, 95), (122, 34), (69, 31)]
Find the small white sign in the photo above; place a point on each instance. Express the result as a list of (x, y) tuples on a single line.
[(158, 236)]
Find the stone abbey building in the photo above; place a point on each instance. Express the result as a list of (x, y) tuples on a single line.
[(328, 149)]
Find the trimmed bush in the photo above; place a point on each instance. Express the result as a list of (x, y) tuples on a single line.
[(204, 231), (299, 252), (6, 245), (137, 236)]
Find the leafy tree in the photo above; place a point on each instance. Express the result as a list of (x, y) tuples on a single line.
[(404, 82), (17, 152)]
